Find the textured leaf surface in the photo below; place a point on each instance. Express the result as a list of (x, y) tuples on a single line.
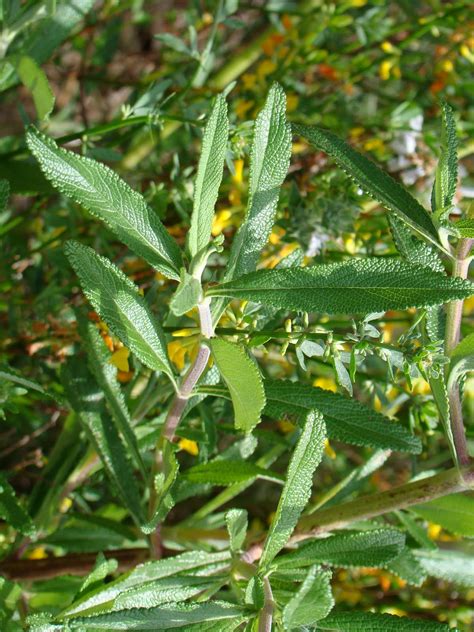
[(88, 402), (243, 380), (312, 601), (446, 176), (186, 295), (269, 161), (450, 565), (148, 572), (412, 249), (103, 193), (167, 590), (367, 548), (120, 305), (465, 227), (4, 194), (34, 78), (11, 511), (209, 175), (226, 472), (370, 622), (236, 522), (346, 419), (375, 182), (358, 286), (454, 513), (297, 489), (406, 567), (106, 375), (161, 618), (462, 360)]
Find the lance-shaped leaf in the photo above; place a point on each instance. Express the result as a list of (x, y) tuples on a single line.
[(34, 78), (375, 182), (166, 617), (297, 489), (106, 375), (372, 548), (312, 601), (446, 176), (269, 161), (209, 176), (87, 401), (228, 472), (12, 512), (359, 286), (465, 227), (454, 513), (236, 521), (243, 380), (103, 193), (407, 567), (346, 419), (371, 622), (450, 565), (120, 305), (462, 360), (412, 249)]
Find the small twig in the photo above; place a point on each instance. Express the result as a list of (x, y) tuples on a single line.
[(266, 614)]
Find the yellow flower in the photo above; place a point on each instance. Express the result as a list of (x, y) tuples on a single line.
[(434, 530), (420, 387), (265, 68), (239, 170), (327, 383), (285, 426), (350, 244), (65, 505), (374, 144), (385, 69), (358, 3), (292, 101), (276, 235), (447, 65), (185, 346), (387, 47), (467, 53), (120, 359), (189, 446), (249, 80), (222, 219), (38, 553), (242, 107), (356, 132), (328, 449)]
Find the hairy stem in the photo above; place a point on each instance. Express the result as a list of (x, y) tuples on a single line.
[(453, 331)]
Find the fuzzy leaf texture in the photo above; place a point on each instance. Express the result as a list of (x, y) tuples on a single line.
[(446, 176), (465, 227), (120, 305), (412, 249), (12, 512), (106, 375), (297, 489), (209, 176), (450, 565), (462, 360), (99, 189), (269, 162), (359, 286), (311, 602), (454, 513), (243, 380), (227, 472), (367, 548), (87, 401), (236, 522), (346, 419), (375, 182), (370, 622)]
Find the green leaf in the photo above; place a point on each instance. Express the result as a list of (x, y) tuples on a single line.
[(12, 512), (454, 513), (34, 78), (227, 472), (312, 601), (358, 286), (120, 305), (164, 482), (4, 194), (209, 176), (144, 573), (367, 548), (186, 295), (412, 249), (106, 375), (450, 565), (462, 360), (236, 522), (167, 590), (297, 489), (346, 419), (370, 622), (88, 403), (406, 567), (103, 193), (6, 373), (446, 177), (375, 182), (269, 161), (243, 380), (102, 568), (465, 227), (164, 617)]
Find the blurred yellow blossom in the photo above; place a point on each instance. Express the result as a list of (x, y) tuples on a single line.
[(265, 68), (238, 171), (189, 446), (387, 47), (285, 426), (249, 79), (328, 450), (187, 345), (327, 383), (358, 3), (292, 101), (385, 69), (120, 359), (242, 106), (38, 553)]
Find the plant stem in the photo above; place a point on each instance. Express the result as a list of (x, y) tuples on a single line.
[(451, 481), (266, 615), (453, 330)]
